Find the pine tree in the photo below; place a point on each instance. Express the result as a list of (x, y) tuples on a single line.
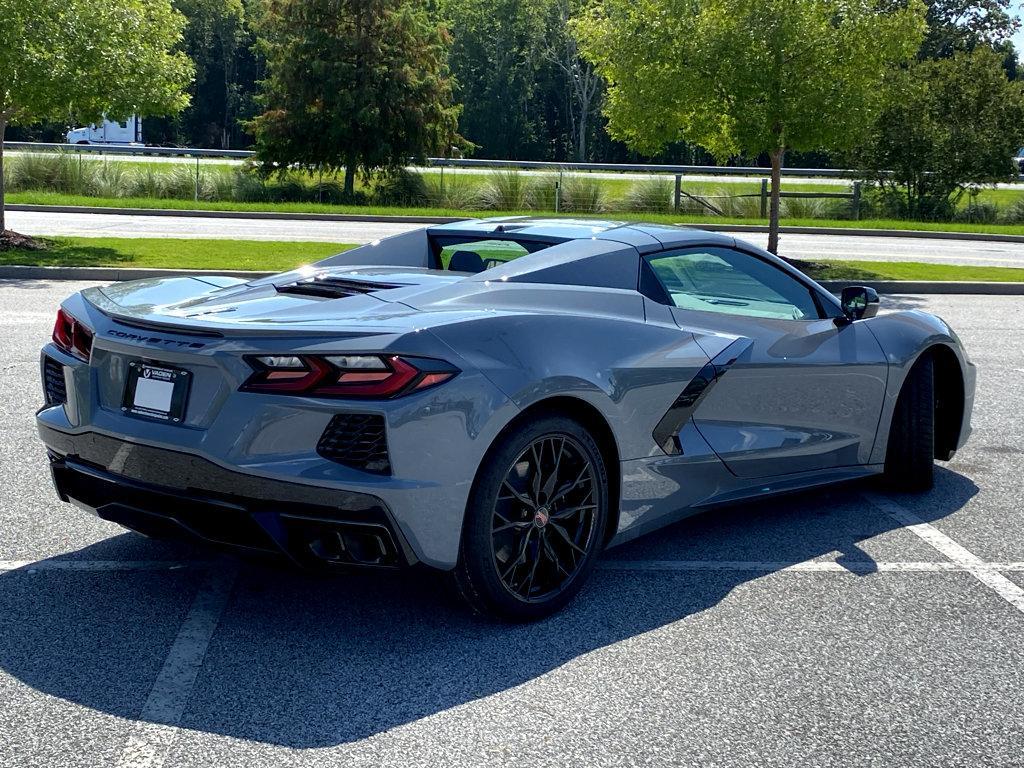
[(353, 84)]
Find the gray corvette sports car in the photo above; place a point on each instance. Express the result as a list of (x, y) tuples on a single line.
[(500, 399)]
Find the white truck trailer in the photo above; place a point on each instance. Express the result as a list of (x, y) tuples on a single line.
[(108, 132)]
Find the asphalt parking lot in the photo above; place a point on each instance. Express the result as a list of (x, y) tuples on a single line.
[(819, 629)]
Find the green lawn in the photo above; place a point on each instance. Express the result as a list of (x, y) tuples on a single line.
[(174, 253), (278, 256), (868, 271), (52, 198)]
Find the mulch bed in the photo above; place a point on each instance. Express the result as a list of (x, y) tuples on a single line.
[(11, 240)]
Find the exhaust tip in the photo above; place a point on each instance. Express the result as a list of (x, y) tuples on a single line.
[(341, 543)]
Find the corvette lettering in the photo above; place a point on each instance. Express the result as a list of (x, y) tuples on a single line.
[(156, 340)]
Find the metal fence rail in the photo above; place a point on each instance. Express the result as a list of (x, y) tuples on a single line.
[(128, 149)]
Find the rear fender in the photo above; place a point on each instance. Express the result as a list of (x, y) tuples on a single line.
[(630, 371)]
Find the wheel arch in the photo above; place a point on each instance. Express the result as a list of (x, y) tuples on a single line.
[(949, 399), (949, 388), (594, 421)]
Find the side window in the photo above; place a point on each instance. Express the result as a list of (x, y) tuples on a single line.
[(727, 281)]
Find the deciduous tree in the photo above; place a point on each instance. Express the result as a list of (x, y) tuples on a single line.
[(747, 76), (217, 40), (963, 25), (81, 59), (949, 125), (583, 84), (496, 57)]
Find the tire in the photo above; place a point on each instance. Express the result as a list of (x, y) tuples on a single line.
[(910, 456), (524, 553)]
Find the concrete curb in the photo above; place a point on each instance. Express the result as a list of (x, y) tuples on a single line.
[(115, 274), (990, 237), (981, 237), (930, 287)]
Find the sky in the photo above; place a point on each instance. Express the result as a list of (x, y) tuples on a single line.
[(1018, 39)]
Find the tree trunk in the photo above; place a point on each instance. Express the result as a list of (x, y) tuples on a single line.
[(350, 177), (776, 199), (3, 131), (581, 141)]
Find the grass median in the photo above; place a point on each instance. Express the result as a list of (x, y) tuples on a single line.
[(177, 253), (274, 256)]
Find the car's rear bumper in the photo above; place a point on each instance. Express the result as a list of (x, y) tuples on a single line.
[(171, 494)]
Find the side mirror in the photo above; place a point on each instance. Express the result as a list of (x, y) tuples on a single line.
[(859, 302)]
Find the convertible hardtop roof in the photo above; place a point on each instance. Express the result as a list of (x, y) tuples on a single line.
[(591, 253), (644, 236)]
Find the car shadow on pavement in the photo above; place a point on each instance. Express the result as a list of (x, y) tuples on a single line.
[(304, 661)]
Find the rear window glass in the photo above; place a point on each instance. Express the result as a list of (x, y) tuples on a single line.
[(480, 255)]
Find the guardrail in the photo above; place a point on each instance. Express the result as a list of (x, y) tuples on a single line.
[(128, 149)]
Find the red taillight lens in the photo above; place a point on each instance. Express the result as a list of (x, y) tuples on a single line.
[(345, 376), (71, 336), (62, 330)]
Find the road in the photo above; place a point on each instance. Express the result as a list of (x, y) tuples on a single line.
[(851, 247), (884, 645)]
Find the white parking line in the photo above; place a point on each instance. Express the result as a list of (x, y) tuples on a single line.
[(768, 567), (153, 734), (985, 573)]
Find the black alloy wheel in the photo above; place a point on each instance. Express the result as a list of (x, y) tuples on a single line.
[(544, 516), (536, 521)]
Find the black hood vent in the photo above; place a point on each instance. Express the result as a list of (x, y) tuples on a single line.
[(334, 288)]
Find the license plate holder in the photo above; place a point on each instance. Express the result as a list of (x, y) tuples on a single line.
[(156, 392)]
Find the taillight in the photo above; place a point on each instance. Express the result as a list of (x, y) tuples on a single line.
[(345, 376), (71, 336)]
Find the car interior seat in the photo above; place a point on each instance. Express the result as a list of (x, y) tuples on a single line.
[(466, 261)]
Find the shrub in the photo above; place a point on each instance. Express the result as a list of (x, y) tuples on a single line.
[(541, 193), (178, 183), (838, 208), (653, 194), (739, 206), (329, 191), (249, 188), (286, 188), (1013, 214), (582, 193), (504, 191), (111, 180), (219, 185), (978, 213), (804, 208), (399, 187), (892, 204), (452, 190), (144, 183), (52, 172)]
